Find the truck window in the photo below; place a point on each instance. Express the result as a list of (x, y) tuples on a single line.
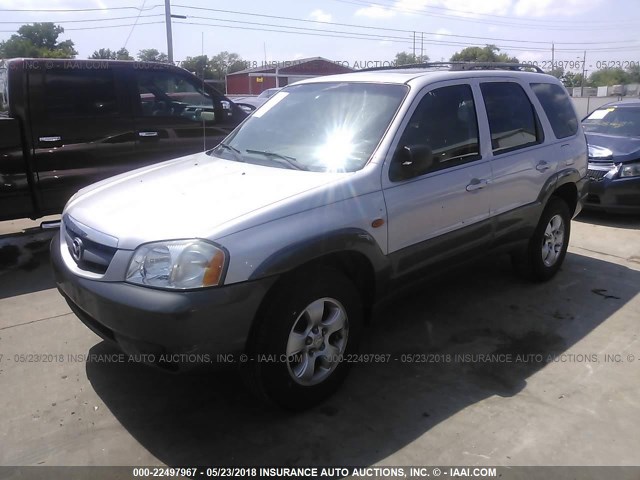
[(77, 93), (4, 90), (165, 94)]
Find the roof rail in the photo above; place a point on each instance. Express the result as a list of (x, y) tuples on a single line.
[(461, 66)]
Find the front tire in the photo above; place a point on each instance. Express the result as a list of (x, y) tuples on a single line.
[(547, 247), (311, 322)]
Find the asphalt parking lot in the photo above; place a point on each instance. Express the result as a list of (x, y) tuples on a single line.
[(569, 395)]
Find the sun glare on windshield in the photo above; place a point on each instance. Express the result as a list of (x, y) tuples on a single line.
[(336, 150)]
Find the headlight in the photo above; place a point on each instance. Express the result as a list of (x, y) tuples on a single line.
[(178, 264), (631, 170)]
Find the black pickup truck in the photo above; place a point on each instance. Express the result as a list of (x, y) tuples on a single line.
[(65, 124)]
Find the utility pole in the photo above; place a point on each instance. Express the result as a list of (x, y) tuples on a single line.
[(421, 47), (167, 20), (584, 72), (553, 63), (414, 46)]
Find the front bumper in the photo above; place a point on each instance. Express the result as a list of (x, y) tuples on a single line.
[(620, 195), (172, 329)]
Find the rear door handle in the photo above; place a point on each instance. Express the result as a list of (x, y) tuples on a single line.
[(51, 139), (477, 184), (543, 166), (147, 134)]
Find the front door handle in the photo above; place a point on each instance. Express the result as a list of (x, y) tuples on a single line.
[(51, 139), (147, 134), (543, 166), (477, 184)]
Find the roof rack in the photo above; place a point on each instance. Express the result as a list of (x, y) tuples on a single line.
[(462, 66)]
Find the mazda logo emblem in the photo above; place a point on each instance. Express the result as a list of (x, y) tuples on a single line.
[(77, 249)]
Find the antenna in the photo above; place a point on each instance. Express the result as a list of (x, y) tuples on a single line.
[(204, 67)]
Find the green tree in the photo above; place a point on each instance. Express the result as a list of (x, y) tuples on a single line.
[(104, 53), (152, 55), (39, 40), (224, 63), (557, 72), (405, 58), (108, 54), (488, 53), (572, 79), (608, 76), (634, 73), (123, 54), (198, 65)]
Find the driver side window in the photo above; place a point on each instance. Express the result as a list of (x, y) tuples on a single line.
[(444, 124), (164, 94)]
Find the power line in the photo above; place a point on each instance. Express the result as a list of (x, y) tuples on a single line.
[(67, 10), (362, 36), (563, 23), (337, 34), (278, 28), (95, 19), (278, 17), (97, 27), (234, 12), (134, 24)]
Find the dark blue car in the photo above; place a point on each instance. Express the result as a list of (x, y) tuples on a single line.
[(613, 135)]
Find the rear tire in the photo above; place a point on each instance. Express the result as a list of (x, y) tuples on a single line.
[(311, 322), (547, 247)]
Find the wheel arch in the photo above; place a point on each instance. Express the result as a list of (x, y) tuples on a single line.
[(353, 252), (569, 193), (564, 185)]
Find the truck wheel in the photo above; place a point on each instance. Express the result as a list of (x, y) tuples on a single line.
[(312, 321), (548, 245)]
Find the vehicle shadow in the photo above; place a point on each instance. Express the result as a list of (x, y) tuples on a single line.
[(24, 263), (604, 219), (209, 419)]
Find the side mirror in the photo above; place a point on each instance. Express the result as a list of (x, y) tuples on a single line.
[(411, 161), (246, 108), (208, 116)]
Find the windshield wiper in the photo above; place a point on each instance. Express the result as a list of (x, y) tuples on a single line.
[(234, 151), (292, 162)]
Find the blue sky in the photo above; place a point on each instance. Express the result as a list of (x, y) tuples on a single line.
[(524, 28)]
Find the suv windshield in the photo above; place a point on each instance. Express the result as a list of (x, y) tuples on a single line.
[(319, 126), (621, 121)]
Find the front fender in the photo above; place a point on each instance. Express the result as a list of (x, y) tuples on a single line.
[(347, 240)]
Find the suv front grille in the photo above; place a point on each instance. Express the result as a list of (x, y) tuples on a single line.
[(89, 254), (596, 175)]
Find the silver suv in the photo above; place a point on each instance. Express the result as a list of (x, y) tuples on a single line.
[(335, 192)]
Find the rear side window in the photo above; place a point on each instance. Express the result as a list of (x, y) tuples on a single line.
[(80, 93), (557, 106), (512, 119)]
